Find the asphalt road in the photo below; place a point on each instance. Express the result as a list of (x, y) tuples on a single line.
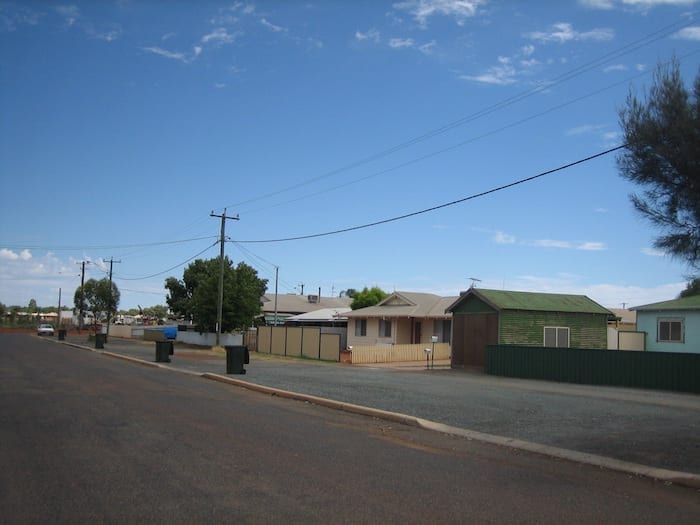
[(655, 428), (89, 439)]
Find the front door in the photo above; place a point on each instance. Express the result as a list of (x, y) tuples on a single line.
[(417, 333)]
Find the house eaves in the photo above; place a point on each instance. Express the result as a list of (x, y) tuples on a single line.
[(684, 303), (533, 301), (407, 305)]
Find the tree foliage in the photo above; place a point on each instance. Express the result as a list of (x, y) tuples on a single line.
[(196, 296), (100, 297), (692, 288), (662, 155), (367, 297)]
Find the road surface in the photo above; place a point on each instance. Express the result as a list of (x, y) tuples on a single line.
[(89, 439)]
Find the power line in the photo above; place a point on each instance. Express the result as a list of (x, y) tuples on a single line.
[(100, 246), (564, 77), (169, 269), (440, 206), (464, 142)]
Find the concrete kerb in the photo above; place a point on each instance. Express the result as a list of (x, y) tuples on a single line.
[(686, 479), (670, 476)]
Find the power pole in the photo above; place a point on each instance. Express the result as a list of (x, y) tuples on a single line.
[(82, 295), (219, 313), (111, 297), (277, 274)]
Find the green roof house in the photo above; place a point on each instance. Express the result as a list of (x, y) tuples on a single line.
[(483, 317), (671, 326)]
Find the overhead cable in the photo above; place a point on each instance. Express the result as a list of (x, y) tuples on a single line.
[(440, 206), (564, 77)]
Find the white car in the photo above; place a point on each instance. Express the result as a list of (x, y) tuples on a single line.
[(44, 329)]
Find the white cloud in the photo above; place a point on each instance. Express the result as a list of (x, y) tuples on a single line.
[(586, 129), (642, 4), (372, 35), (422, 10), (427, 49), (272, 27), (400, 43), (12, 17), (688, 33), (70, 13), (9, 255), (597, 4), (219, 85), (564, 32), (612, 138), (615, 67), (653, 3), (550, 243), (606, 294), (107, 36), (527, 50), (219, 36), (503, 238), (568, 245), (501, 75), (167, 54), (653, 252), (592, 246)]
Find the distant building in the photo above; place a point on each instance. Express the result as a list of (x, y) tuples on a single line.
[(276, 309)]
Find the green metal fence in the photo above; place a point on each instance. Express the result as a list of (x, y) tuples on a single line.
[(654, 370)]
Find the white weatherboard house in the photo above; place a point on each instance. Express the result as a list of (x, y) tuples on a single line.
[(671, 326)]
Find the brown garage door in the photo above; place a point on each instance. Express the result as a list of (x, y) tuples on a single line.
[(472, 332)]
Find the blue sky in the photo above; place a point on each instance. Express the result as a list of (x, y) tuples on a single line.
[(125, 124)]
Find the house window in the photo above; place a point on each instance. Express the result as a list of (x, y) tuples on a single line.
[(670, 331), (360, 327), (384, 328), (556, 337)]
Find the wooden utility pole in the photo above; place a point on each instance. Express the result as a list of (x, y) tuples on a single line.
[(111, 297), (219, 313), (82, 295)]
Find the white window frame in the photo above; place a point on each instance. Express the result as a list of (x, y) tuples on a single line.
[(557, 343), (360, 327), (679, 320)]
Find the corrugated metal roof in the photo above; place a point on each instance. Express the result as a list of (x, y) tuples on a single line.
[(407, 304), (324, 314), (684, 303), (299, 304), (535, 301)]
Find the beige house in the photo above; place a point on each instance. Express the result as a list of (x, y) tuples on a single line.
[(400, 319)]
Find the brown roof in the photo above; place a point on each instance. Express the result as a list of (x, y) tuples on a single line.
[(299, 304)]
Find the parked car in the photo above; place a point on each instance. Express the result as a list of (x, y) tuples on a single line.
[(44, 329)]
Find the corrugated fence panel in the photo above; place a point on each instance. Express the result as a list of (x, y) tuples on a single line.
[(264, 339), (654, 370), (279, 340), (294, 338), (311, 343), (330, 347), (362, 354)]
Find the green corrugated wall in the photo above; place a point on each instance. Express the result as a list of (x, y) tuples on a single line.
[(654, 370), (527, 328)]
